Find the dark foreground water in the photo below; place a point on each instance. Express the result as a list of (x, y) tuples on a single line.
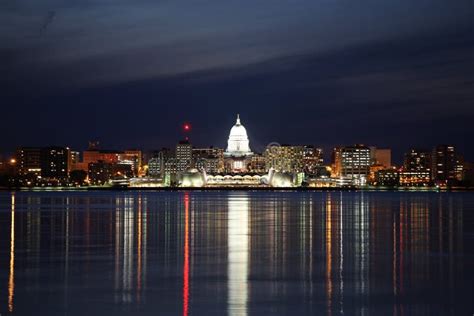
[(236, 253)]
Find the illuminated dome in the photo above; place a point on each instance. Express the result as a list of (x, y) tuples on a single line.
[(238, 143)]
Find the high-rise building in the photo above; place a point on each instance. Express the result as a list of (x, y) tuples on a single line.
[(209, 159), (417, 160), (50, 164), (468, 173), (257, 164), (156, 165), (75, 157), (416, 169), (132, 157), (460, 173), (184, 155), (352, 162), (284, 158), (56, 163), (210, 165), (28, 161), (100, 172), (382, 157), (444, 164), (312, 159)]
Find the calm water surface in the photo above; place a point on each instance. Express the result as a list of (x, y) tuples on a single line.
[(236, 253)]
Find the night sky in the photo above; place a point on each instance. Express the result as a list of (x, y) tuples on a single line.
[(389, 73)]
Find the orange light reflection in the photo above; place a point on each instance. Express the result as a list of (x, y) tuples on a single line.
[(11, 276), (329, 254)]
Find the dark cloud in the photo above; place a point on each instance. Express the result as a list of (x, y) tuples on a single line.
[(326, 73)]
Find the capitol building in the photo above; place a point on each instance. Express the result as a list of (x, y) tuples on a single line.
[(235, 166), (238, 153)]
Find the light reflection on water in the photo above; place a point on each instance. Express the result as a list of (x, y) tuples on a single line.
[(238, 249), (11, 273), (236, 253)]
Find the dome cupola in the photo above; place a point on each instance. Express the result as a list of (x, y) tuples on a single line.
[(238, 143)]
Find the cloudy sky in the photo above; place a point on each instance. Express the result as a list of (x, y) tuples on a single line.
[(389, 73)]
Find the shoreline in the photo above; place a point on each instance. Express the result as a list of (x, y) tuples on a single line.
[(298, 189)]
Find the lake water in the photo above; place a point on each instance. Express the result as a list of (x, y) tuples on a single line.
[(236, 253)]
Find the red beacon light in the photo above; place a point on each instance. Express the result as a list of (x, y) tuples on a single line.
[(186, 127)]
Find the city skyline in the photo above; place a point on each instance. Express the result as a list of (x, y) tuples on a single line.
[(236, 165), (186, 129)]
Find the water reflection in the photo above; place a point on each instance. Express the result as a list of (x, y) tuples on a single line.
[(238, 245), (186, 257), (329, 277), (236, 253), (11, 275)]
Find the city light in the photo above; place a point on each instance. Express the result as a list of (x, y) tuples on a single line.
[(295, 166)]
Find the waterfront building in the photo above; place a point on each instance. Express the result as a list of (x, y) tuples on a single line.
[(28, 160), (417, 168), (257, 164), (75, 157), (468, 173), (387, 177), (312, 159), (373, 172), (184, 156), (234, 180), (415, 178), (417, 160), (48, 165), (284, 158), (171, 166), (331, 182), (459, 168), (94, 154), (210, 165), (56, 164), (381, 156), (445, 165), (156, 164), (352, 162), (209, 159), (100, 172), (155, 167), (123, 169), (132, 157)]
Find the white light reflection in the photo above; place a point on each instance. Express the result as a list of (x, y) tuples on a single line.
[(124, 248), (128, 236), (238, 247)]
